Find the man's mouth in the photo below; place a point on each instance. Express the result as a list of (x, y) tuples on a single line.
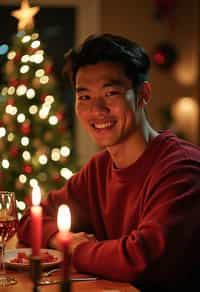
[(104, 125)]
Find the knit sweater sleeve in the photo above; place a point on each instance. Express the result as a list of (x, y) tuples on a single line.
[(163, 239)]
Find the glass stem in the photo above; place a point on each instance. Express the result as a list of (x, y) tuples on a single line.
[(2, 263)]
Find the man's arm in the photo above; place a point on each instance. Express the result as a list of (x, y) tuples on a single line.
[(163, 241), (79, 217)]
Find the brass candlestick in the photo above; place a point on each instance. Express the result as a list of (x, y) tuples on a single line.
[(35, 272)]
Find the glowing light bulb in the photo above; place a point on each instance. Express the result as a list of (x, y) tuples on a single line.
[(26, 155), (2, 132), (11, 55), (35, 44), (65, 151), (5, 163), (11, 137), (66, 173), (30, 93), (26, 39), (55, 154), (21, 90), (44, 79), (33, 109), (43, 159), (53, 120), (25, 58), (24, 141), (22, 178), (21, 118), (39, 73), (35, 36), (11, 90), (33, 182), (24, 69)]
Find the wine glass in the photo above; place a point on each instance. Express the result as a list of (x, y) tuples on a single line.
[(8, 225)]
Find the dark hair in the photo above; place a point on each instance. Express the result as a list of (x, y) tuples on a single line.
[(108, 47)]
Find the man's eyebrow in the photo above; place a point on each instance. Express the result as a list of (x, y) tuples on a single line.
[(114, 82), (80, 89)]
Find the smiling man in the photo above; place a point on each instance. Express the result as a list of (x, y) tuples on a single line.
[(135, 205)]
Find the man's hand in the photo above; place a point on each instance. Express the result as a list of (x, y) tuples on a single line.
[(77, 238)]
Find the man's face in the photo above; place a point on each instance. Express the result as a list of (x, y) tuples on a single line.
[(105, 103)]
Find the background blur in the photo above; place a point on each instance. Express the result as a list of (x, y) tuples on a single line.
[(169, 30)]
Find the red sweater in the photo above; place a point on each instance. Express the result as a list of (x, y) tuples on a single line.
[(146, 217)]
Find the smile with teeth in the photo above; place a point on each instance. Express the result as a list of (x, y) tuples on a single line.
[(103, 125)]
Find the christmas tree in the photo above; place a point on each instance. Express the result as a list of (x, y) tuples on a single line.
[(35, 143)]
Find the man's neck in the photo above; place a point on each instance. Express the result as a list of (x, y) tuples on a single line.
[(131, 149)]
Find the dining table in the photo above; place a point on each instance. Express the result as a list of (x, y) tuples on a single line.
[(78, 284)]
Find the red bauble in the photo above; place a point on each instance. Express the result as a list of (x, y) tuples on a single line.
[(14, 151), (62, 129), (32, 50), (60, 115), (28, 199), (17, 56), (26, 128), (11, 101), (48, 68), (42, 97), (13, 83), (27, 169), (56, 177), (23, 82)]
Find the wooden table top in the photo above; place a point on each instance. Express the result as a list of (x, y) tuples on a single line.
[(24, 282)]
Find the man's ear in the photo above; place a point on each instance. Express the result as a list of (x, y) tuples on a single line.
[(144, 93)]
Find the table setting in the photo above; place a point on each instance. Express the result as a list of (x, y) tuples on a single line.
[(37, 269)]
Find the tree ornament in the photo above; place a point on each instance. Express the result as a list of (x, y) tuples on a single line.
[(17, 57), (25, 15), (26, 128), (56, 177), (11, 101), (14, 151), (165, 55), (27, 169), (13, 82)]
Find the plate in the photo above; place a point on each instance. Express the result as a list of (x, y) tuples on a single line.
[(11, 254)]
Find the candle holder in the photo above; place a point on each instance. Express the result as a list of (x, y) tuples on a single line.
[(35, 272), (65, 286)]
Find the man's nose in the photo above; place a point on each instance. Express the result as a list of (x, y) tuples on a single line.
[(99, 105)]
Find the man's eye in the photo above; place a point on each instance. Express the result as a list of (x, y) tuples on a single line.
[(83, 97), (111, 93)]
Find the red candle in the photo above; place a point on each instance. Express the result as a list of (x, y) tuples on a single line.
[(64, 238), (36, 221)]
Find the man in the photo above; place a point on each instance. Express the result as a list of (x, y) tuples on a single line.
[(140, 196)]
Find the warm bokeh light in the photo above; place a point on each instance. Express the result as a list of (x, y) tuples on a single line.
[(185, 112)]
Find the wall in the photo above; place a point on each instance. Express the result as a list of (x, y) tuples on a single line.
[(136, 20)]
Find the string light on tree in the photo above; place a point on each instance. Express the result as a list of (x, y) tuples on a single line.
[(32, 146)]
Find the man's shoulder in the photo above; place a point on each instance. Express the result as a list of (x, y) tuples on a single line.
[(170, 144), (172, 152)]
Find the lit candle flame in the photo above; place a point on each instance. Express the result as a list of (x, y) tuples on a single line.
[(64, 218), (36, 196)]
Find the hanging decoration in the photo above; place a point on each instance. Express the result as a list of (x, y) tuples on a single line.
[(165, 55)]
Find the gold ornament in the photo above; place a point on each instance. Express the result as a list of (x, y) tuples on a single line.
[(25, 15)]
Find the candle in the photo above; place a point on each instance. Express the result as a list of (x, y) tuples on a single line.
[(64, 238), (36, 221)]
